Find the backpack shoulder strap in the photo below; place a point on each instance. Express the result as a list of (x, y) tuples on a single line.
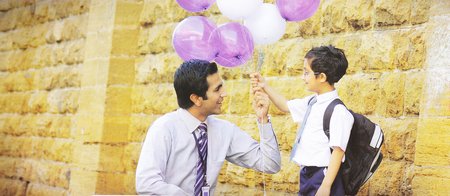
[(327, 116)]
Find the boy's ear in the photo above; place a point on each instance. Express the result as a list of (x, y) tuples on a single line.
[(322, 77), (197, 100)]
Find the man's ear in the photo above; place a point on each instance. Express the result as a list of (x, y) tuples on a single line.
[(197, 100)]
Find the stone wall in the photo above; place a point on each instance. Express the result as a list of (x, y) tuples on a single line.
[(81, 81)]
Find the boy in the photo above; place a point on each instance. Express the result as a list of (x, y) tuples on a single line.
[(318, 157)]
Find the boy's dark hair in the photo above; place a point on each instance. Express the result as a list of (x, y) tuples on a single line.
[(190, 78), (328, 60)]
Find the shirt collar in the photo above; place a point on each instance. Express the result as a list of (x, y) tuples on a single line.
[(329, 96), (189, 120)]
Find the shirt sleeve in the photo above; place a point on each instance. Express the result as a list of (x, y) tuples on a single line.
[(152, 164), (297, 108), (247, 152), (341, 123)]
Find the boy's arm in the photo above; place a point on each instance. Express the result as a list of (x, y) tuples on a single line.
[(333, 168), (259, 84)]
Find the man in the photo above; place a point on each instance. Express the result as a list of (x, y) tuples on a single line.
[(184, 150)]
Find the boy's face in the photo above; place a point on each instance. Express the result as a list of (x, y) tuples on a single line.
[(312, 83), (215, 94)]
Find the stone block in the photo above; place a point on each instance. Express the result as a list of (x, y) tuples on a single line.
[(124, 41), (147, 99), (121, 71), (131, 156), (22, 60), (86, 156), (111, 158), (414, 85), (26, 126), (285, 130), (376, 50), (63, 101), (392, 94), (128, 13), (420, 11), (115, 128), (359, 14), (82, 181), (25, 16), (53, 149), (38, 102), (74, 28), (388, 178), (360, 93), (39, 189), (400, 139), (118, 100), (6, 42), (139, 126), (5, 60), (51, 174), (110, 183), (153, 10), (158, 68), (44, 11), (432, 144), (17, 103), (287, 179), (156, 39), (238, 98), (389, 13), (431, 181), (333, 18), (16, 146), (74, 52), (12, 187), (9, 20), (66, 8), (312, 26)]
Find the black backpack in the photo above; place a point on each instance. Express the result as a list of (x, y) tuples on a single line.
[(363, 153)]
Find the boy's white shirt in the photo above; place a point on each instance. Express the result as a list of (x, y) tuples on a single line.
[(314, 147)]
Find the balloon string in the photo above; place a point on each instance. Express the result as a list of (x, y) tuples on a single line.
[(260, 59)]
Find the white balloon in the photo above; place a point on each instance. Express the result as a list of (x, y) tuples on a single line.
[(238, 9), (266, 24)]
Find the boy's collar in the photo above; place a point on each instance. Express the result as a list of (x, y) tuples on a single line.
[(327, 96)]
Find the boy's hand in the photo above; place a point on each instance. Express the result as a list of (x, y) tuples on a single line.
[(257, 82), (261, 106)]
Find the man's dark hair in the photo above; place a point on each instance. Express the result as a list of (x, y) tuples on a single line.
[(190, 78), (328, 60)]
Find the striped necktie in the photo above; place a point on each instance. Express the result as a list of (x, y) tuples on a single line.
[(202, 145)]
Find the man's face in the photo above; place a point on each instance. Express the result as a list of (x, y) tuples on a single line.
[(215, 95)]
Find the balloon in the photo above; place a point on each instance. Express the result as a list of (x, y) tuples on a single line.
[(190, 38), (238, 9), (232, 43), (266, 24), (297, 10), (195, 5)]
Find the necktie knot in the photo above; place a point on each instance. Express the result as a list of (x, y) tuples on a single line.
[(202, 128)]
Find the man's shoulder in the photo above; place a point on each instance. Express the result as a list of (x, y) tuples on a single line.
[(166, 119)]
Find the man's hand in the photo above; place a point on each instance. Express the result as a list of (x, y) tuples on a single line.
[(258, 83), (261, 106)]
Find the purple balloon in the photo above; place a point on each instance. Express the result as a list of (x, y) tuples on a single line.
[(196, 5), (297, 10), (190, 38), (232, 43)]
